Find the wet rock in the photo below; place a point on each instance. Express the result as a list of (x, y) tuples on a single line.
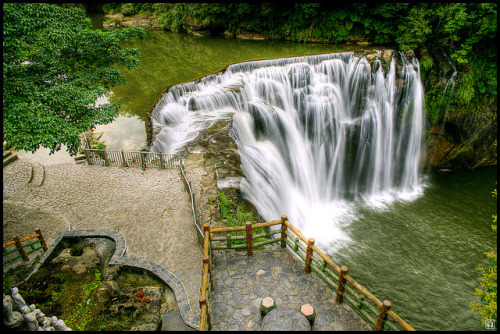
[(248, 35), (387, 56), (85, 256)]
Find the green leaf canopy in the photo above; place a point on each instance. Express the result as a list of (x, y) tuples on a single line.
[(54, 68)]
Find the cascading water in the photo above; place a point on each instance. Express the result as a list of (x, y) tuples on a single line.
[(317, 135)]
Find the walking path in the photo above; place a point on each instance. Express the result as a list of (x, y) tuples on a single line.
[(241, 281), (149, 207)]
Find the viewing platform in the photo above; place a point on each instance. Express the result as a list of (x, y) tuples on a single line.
[(241, 282)]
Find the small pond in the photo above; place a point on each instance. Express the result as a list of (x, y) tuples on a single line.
[(77, 285)]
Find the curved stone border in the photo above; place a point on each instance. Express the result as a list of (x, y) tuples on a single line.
[(119, 258), (171, 280), (40, 208)]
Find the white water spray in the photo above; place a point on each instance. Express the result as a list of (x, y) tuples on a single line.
[(315, 134)]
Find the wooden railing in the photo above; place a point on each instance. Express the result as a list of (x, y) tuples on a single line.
[(205, 292), (315, 260), (20, 248)]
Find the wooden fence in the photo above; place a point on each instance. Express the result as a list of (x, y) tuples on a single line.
[(337, 278), (20, 248)]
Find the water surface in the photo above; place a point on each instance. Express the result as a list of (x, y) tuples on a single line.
[(418, 254)]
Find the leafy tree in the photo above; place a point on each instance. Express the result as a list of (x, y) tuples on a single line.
[(54, 68), (487, 294)]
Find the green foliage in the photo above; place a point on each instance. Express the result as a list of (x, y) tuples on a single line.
[(54, 68), (79, 318), (487, 294), (100, 146), (413, 31), (465, 88), (236, 215), (464, 31)]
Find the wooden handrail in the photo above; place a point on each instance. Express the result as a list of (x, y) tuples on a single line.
[(309, 250), (19, 247)]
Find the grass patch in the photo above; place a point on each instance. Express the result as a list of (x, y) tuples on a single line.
[(236, 215)]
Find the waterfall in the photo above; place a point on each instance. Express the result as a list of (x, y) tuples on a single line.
[(317, 135)]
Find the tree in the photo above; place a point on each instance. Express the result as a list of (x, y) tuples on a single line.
[(54, 68), (487, 294)]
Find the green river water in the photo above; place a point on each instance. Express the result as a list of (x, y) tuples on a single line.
[(420, 255)]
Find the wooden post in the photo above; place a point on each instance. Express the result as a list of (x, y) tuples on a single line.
[(249, 239), (207, 260), (143, 164), (283, 230), (339, 299), (309, 252), (42, 239), (386, 306), (106, 163), (309, 312), (204, 314), (162, 161), (87, 156), (20, 248), (266, 305), (206, 241), (124, 164)]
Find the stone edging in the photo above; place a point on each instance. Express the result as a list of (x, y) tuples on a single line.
[(39, 208), (119, 258)]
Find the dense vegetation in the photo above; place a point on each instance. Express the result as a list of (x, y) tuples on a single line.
[(464, 32), (487, 293), (54, 68)]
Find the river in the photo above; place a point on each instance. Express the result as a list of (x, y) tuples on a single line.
[(418, 254)]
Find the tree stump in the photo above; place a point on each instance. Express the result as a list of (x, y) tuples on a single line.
[(266, 305), (309, 312)]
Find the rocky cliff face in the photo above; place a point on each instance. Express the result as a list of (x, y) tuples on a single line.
[(463, 141)]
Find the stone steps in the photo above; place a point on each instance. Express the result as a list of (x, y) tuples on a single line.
[(8, 157), (38, 174), (80, 159)]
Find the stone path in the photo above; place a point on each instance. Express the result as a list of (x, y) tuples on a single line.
[(150, 208), (241, 281)]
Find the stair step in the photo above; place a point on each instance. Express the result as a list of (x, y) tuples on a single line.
[(80, 162), (9, 159), (38, 174), (80, 157), (6, 154)]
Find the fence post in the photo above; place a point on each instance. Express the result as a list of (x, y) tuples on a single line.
[(87, 156), (20, 248), (143, 164), (339, 299), (42, 239), (162, 161), (386, 306), (203, 320), (124, 164), (206, 259), (283, 230), (309, 251), (249, 239), (106, 163)]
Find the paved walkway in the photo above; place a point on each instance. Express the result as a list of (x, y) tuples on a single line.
[(241, 281), (152, 211), (150, 208)]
